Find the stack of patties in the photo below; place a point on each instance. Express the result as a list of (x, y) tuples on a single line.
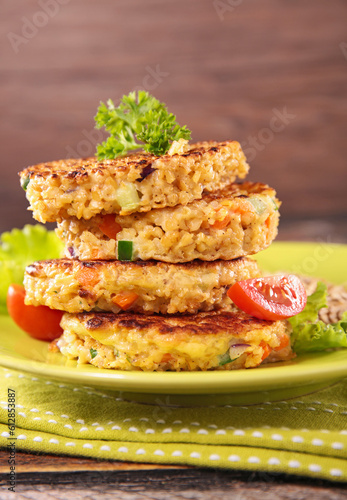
[(152, 244)]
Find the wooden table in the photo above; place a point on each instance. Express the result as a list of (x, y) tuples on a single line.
[(47, 476)]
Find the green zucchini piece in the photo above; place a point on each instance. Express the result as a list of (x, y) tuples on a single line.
[(24, 182), (127, 196), (125, 250), (259, 205)]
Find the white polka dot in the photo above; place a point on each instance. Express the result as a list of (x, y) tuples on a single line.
[(99, 428), (311, 409), (177, 453), (123, 449), (315, 468), (51, 421), (22, 414), (327, 410), (297, 439), (88, 445), (95, 424), (81, 429), (239, 432), (5, 434), (127, 420), (337, 446), (8, 375), (294, 464), (161, 421), (37, 418), (80, 421), (49, 413), (234, 458), (177, 421), (202, 431), (34, 378), (64, 416), (195, 454), (195, 423), (184, 430), (343, 432), (317, 442), (277, 437), (150, 431), (70, 444), (54, 441), (274, 461), (116, 428), (133, 429), (257, 434), (144, 419), (160, 453), (21, 436), (38, 439), (35, 410), (68, 426), (214, 457), (213, 426), (105, 448), (253, 460), (335, 472), (220, 432), (167, 430), (140, 451)]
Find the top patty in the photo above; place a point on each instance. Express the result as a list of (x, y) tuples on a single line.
[(134, 183)]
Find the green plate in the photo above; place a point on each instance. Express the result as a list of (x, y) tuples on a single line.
[(271, 382)]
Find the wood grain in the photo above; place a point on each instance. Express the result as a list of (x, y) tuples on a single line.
[(226, 76), (46, 476)]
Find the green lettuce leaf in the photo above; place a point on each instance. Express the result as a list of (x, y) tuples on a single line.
[(21, 247), (309, 333)]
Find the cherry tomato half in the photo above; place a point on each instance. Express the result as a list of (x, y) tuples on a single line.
[(39, 322), (271, 298)]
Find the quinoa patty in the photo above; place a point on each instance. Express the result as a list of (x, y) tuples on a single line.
[(205, 341), (239, 220), (143, 287), (139, 182)]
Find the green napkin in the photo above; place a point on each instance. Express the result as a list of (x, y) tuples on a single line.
[(306, 436)]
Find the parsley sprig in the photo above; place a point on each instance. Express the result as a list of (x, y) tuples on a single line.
[(140, 121)]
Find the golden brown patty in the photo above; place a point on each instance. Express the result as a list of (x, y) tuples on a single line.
[(204, 341), (143, 287), (239, 220), (86, 187)]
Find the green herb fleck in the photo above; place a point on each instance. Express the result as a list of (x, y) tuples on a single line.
[(139, 117), (225, 358), (93, 353)]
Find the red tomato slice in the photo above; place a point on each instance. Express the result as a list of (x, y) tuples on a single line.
[(271, 298), (39, 322)]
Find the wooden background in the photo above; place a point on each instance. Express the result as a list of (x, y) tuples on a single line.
[(226, 68)]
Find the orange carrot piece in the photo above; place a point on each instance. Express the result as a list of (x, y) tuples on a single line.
[(125, 299), (110, 227), (87, 276)]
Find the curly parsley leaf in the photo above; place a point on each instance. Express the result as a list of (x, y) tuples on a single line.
[(140, 121)]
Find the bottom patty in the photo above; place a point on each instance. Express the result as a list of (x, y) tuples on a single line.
[(215, 340), (144, 287)]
